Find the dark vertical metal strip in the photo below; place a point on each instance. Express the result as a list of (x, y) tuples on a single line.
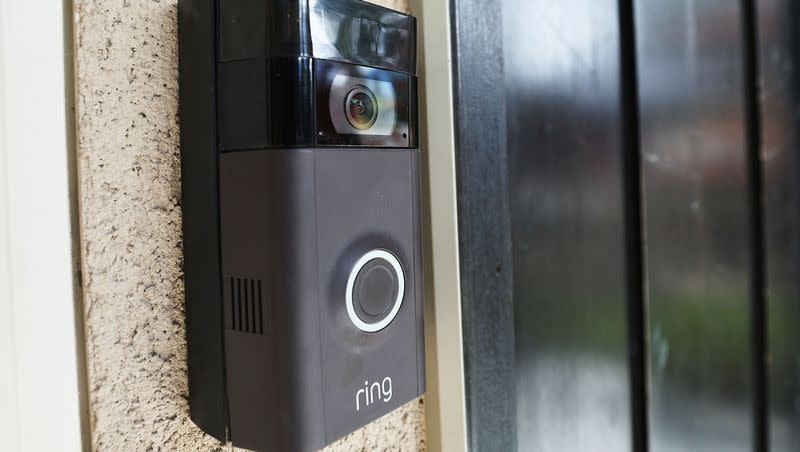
[(637, 314), (259, 308), (239, 303), (757, 262), (777, 41), (232, 325), (483, 222), (245, 305), (252, 308)]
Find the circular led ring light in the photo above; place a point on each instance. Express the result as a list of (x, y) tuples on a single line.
[(398, 269)]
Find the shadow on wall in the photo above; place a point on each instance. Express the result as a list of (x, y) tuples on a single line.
[(130, 219)]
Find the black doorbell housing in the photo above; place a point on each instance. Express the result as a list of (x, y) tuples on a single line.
[(301, 207)]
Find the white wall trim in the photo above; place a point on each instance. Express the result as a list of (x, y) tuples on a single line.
[(40, 337), (445, 403)]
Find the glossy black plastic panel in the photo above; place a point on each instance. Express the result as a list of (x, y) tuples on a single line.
[(349, 31), (565, 154), (276, 102), (357, 32), (779, 74), (696, 204), (275, 92), (265, 102), (263, 28)]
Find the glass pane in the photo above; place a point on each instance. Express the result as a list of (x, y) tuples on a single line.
[(547, 200), (567, 225), (696, 210), (779, 49)]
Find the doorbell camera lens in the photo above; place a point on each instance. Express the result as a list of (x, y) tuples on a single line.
[(361, 107)]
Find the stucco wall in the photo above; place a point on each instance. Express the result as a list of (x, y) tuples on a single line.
[(130, 218)]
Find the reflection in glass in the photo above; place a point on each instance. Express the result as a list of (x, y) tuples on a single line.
[(779, 51), (696, 224), (565, 183)]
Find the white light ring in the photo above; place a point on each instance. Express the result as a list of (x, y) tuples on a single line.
[(351, 312)]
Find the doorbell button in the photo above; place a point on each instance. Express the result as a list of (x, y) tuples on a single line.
[(375, 291)]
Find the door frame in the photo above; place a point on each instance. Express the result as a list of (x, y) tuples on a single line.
[(445, 403), (42, 370)]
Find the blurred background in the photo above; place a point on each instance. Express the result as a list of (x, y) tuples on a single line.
[(645, 289)]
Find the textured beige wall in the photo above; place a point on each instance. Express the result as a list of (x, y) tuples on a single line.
[(130, 218)]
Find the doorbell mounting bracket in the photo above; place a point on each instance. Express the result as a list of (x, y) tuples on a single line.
[(301, 218)]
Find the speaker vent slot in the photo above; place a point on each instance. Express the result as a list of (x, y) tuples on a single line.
[(247, 305)]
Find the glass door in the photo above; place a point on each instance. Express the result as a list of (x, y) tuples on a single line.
[(627, 190)]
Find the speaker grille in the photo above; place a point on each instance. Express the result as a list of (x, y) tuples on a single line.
[(247, 305)]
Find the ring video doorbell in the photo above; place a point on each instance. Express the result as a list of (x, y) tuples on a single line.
[(301, 210)]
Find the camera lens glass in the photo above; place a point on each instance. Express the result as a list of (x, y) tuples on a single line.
[(361, 107)]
